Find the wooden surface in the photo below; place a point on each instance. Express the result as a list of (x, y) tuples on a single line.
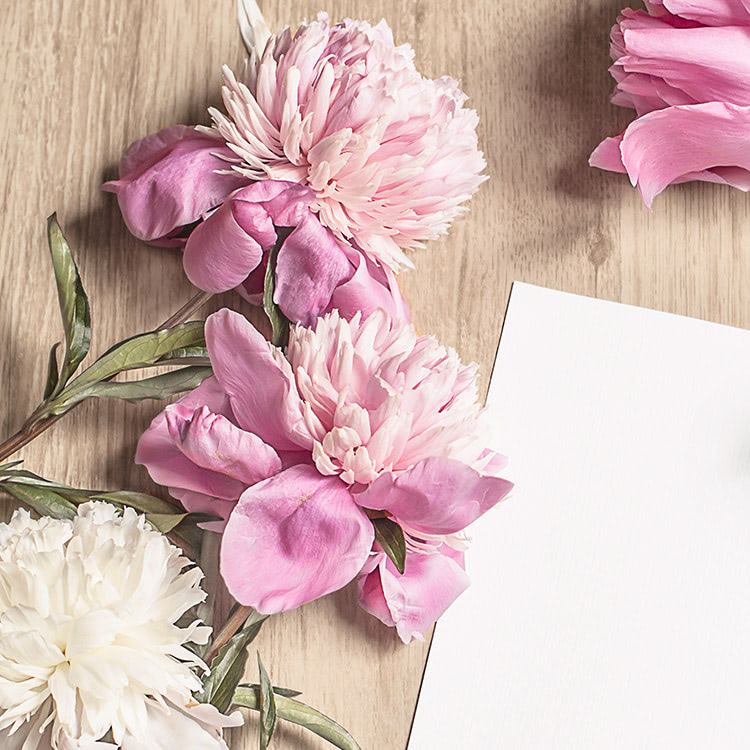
[(83, 78)]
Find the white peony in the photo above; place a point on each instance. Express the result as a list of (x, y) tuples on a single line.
[(89, 638)]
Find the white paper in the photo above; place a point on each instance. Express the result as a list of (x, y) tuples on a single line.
[(610, 603)]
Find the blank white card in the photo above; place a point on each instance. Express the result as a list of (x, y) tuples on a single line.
[(610, 597)]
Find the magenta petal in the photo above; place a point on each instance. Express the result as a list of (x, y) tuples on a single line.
[(368, 289), (293, 538), (414, 601), (169, 180), (696, 139), (437, 496), (261, 389), (166, 463), (219, 253), (213, 442), (310, 265)]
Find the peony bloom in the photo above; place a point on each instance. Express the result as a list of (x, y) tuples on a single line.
[(292, 448), (315, 271), (389, 154), (687, 77), (89, 640)]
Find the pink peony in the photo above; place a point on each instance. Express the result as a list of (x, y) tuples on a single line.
[(688, 78), (389, 154), (291, 448)]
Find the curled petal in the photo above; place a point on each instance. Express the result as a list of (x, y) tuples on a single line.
[(262, 392), (311, 264), (437, 496), (220, 254), (169, 466), (369, 288), (213, 442), (414, 601), (706, 142), (169, 180), (293, 538)]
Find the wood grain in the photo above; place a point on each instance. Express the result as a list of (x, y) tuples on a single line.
[(84, 78)]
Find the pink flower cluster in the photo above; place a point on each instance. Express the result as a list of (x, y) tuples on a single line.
[(296, 451), (684, 67), (334, 135), (334, 156)]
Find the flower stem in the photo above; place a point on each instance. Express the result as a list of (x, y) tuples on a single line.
[(184, 313), (233, 624), (32, 428)]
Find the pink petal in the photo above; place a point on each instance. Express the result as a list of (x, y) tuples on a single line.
[(211, 441), (169, 180), (707, 64), (709, 12), (681, 143), (293, 538), (167, 464), (219, 253), (437, 496), (414, 601), (369, 288), (607, 155), (263, 395), (310, 266)]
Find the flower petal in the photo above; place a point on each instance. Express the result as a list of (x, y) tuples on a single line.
[(709, 12), (293, 538), (369, 288), (310, 265), (414, 601), (437, 496), (220, 254), (262, 393), (213, 442), (169, 180), (169, 466), (697, 138)]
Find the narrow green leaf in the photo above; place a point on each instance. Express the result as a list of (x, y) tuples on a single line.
[(74, 305), (44, 501), (158, 387), (390, 536), (143, 350), (228, 665), (267, 707), (196, 354), (286, 692), (298, 713), (10, 465), (53, 372), (279, 322)]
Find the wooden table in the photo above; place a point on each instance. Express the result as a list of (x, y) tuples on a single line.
[(83, 78)]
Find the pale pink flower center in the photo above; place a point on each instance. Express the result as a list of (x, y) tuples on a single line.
[(378, 398)]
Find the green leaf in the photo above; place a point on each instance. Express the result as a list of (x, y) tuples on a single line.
[(10, 465), (279, 322), (45, 501), (286, 692), (196, 354), (298, 713), (267, 707), (390, 536), (228, 665), (74, 305), (53, 373), (158, 387), (143, 350)]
